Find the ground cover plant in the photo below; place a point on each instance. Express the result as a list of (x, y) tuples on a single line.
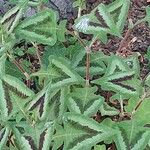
[(60, 89)]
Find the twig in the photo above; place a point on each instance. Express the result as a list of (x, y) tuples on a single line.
[(128, 33), (122, 43)]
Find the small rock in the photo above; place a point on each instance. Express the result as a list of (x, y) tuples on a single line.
[(64, 7)]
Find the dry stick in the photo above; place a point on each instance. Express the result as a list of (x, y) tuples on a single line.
[(127, 35), (19, 66), (122, 43)]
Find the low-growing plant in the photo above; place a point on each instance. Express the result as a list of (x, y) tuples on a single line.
[(67, 108)]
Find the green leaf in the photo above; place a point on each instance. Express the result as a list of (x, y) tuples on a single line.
[(37, 137), (142, 115), (11, 19), (147, 18), (110, 23), (40, 28), (20, 87), (100, 147), (80, 3), (129, 134), (120, 7), (61, 29), (85, 101), (9, 85), (80, 132), (57, 50), (147, 80), (101, 20), (105, 109), (119, 78), (141, 144), (92, 124), (4, 133), (54, 90)]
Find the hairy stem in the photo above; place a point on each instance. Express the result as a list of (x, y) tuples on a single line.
[(88, 50), (79, 12)]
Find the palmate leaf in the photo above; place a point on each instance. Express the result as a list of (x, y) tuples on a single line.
[(40, 28), (140, 133), (8, 85), (49, 102), (46, 74), (119, 78), (135, 137), (34, 137), (68, 135), (100, 21), (52, 97), (14, 96), (130, 135), (80, 132), (85, 101), (143, 142), (124, 8), (11, 19)]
